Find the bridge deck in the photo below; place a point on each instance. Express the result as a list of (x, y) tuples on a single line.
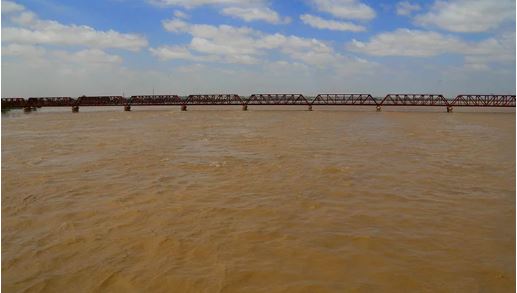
[(424, 100)]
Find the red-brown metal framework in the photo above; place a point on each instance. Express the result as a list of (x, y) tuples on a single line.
[(345, 99), (414, 100), (484, 101), (155, 100), (220, 99), (277, 99), (14, 102), (267, 99), (51, 102), (101, 101)]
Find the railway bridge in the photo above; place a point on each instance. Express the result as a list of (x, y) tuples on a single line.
[(421, 100)]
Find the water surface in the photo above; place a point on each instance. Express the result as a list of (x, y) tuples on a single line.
[(258, 201)]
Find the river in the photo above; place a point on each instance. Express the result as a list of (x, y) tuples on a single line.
[(158, 200)]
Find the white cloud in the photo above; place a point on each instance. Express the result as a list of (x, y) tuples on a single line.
[(63, 73), (57, 34), (406, 42), (75, 79), (92, 72), (417, 43), (180, 53), (247, 10), (171, 52), (243, 45), (224, 43), (31, 30), (180, 14), (255, 13), (407, 8), (222, 51), (468, 16), (52, 77), (195, 3), (500, 49), (321, 23), (90, 56), (175, 25), (25, 18), (9, 7), (275, 61), (310, 51), (26, 51), (347, 9)]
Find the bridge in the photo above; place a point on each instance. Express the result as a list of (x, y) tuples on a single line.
[(422, 100)]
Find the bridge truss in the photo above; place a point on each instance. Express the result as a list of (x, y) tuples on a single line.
[(424, 100), (344, 99)]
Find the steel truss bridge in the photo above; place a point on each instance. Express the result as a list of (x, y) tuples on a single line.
[(425, 100)]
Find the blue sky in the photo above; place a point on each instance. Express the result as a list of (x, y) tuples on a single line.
[(206, 46)]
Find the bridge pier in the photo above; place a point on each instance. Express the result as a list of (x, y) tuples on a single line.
[(449, 109), (183, 107), (127, 108), (244, 107), (27, 109), (378, 108), (75, 109), (309, 108)]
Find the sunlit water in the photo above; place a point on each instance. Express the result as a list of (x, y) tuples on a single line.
[(258, 201)]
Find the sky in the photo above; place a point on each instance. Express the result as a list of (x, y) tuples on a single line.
[(133, 47)]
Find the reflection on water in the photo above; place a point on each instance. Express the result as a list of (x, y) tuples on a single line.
[(258, 201)]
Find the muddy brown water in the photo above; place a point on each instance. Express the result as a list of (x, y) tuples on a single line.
[(158, 200)]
